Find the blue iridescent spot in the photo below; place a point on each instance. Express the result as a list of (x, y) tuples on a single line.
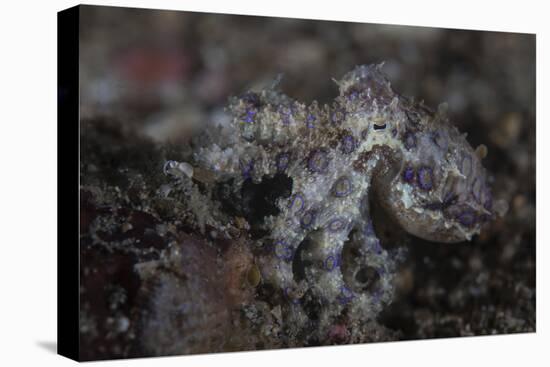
[(296, 203), (247, 168), (318, 161), (348, 144), (337, 116), (352, 96), (285, 113), (308, 219), (336, 224), (331, 262), (282, 161), (310, 119), (467, 218), (345, 296), (408, 174), (342, 187), (283, 251), (425, 178), (249, 116)]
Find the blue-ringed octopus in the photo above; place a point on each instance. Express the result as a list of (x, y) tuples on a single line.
[(370, 144)]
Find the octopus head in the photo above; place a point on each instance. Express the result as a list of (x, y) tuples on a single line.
[(439, 190)]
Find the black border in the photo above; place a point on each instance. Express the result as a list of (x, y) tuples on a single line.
[(68, 244)]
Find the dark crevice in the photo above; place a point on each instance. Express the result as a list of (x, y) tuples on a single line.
[(254, 201), (300, 264), (368, 278)]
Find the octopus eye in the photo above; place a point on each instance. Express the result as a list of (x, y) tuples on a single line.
[(425, 178), (282, 161), (379, 126), (342, 187), (408, 174), (318, 161), (345, 296)]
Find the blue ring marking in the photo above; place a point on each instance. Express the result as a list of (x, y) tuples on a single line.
[(336, 224), (247, 168), (467, 218), (348, 187), (285, 113), (318, 161), (348, 144), (345, 296), (330, 260), (334, 260), (250, 116), (282, 161), (408, 174), (296, 197), (425, 178), (283, 251), (308, 219)]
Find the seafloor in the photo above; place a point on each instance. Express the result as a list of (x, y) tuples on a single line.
[(149, 82)]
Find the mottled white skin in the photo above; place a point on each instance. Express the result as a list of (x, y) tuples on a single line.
[(444, 199)]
